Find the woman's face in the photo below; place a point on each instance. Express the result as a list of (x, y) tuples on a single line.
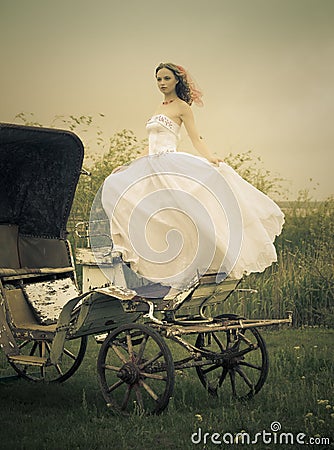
[(166, 81)]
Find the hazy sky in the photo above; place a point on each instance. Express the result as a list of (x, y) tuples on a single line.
[(266, 68)]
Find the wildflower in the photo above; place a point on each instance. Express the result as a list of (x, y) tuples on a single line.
[(303, 377), (309, 414), (328, 407), (297, 347), (323, 402), (321, 421), (332, 415), (199, 417), (315, 346)]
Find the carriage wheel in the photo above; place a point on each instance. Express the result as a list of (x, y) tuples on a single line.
[(244, 375), (71, 358), (136, 370)]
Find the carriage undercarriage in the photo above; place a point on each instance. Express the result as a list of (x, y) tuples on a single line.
[(137, 368)]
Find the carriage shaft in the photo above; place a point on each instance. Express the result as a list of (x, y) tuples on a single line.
[(179, 330)]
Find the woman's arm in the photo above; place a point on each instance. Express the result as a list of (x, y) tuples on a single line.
[(187, 117)]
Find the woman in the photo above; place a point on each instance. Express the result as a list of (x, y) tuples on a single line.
[(179, 94), (175, 216)]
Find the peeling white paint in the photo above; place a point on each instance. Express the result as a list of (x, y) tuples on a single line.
[(48, 298)]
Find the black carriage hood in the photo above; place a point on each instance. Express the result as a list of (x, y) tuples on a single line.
[(39, 171)]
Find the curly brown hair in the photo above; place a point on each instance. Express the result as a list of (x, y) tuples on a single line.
[(183, 88)]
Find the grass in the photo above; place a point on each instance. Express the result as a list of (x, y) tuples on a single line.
[(298, 394)]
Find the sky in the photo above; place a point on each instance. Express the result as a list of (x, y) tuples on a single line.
[(266, 68)]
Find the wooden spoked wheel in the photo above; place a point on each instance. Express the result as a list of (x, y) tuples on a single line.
[(73, 354), (244, 370), (136, 370)]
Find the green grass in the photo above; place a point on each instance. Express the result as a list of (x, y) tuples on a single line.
[(298, 394)]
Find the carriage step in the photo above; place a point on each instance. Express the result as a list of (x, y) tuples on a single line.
[(28, 360)]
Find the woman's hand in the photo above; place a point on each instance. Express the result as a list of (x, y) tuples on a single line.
[(215, 161)]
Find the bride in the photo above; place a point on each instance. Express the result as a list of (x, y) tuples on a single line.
[(175, 216)]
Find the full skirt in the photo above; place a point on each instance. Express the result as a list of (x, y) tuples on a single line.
[(175, 217)]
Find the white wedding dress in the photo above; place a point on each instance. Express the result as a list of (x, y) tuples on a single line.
[(175, 216)]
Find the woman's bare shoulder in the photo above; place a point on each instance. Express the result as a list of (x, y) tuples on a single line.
[(183, 105), (185, 111), (183, 108)]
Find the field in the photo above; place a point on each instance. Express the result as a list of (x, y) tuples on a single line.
[(298, 394)]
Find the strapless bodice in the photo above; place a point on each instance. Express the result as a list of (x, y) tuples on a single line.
[(163, 134)]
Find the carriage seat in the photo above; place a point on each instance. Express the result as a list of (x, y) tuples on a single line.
[(40, 298), (24, 255), (22, 314)]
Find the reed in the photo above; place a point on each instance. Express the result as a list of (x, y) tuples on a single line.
[(302, 279)]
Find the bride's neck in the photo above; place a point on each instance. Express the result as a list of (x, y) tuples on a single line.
[(169, 98)]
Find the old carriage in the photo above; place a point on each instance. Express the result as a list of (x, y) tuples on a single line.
[(45, 320)]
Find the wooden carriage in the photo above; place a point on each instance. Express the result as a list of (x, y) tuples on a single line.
[(45, 320)]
